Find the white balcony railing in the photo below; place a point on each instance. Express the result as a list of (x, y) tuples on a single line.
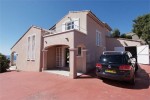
[(59, 30)]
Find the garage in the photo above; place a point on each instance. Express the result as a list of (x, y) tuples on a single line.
[(141, 53)]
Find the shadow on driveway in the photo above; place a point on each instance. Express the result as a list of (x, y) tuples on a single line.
[(142, 80)]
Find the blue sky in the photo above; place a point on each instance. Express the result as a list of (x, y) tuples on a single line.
[(16, 16)]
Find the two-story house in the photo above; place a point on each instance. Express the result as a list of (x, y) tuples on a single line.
[(74, 43)]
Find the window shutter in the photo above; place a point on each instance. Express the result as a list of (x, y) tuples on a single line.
[(76, 23), (28, 48), (33, 47), (63, 27)]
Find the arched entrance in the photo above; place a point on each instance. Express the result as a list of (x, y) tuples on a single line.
[(13, 59)]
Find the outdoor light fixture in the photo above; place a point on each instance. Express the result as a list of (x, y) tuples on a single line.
[(67, 39), (46, 42), (69, 18)]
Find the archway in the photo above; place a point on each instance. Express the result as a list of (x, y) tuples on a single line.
[(57, 57), (13, 58)]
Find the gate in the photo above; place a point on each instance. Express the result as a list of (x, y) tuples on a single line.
[(143, 56)]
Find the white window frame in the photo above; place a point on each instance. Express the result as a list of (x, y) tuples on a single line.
[(30, 49), (76, 24), (72, 25), (98, 38)]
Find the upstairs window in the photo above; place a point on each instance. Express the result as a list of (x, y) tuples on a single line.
[(98, 38), (70, 25)]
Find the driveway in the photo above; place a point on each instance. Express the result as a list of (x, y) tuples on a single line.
[(46, 86)]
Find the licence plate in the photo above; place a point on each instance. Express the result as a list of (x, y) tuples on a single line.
[(110, 71)]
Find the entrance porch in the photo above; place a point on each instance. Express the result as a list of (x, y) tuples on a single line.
[(58, 59)]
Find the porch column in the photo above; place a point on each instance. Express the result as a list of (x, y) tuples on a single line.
[(72, 63), (44, 60), (84, 61)]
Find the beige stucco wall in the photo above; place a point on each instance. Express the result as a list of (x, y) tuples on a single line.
[(21, 49), (79, 63), (82, 21), (51, 57), (60, 39), (94, 51), (116, 42)]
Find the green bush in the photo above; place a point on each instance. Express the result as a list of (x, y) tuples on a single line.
[(4, 63)]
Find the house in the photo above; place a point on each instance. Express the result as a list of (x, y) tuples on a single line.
[(74, 43)]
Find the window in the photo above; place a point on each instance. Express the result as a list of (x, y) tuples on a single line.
[(70, 25), (31, 47), (28, 51), (79, 51), (98, 38)]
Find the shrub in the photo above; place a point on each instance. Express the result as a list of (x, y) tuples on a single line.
[(4, 63)]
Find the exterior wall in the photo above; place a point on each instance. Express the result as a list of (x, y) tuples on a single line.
[(94, 51), (80, 39), (79, 63), (51, 57), (60, 39), (114, 42), (21, 49), (82, 21)]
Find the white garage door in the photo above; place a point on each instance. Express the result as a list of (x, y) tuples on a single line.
[(143, 54)]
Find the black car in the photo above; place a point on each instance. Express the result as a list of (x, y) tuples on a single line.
[(117, 66)]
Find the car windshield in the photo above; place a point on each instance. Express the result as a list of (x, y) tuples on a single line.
[(115, 59)]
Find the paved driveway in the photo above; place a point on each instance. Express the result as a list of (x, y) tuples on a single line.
[(45, 86)]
